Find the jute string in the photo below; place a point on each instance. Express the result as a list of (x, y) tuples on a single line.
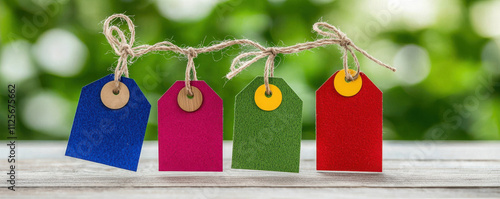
[(334, 37), (124, 49)]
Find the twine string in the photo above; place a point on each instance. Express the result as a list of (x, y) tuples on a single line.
[(269, 68), (334, 37), (120, 45), (124, 48), (191, 54), (347, 46)]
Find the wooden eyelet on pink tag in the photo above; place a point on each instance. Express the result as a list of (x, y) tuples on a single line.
[(187, 103), (112, 100)]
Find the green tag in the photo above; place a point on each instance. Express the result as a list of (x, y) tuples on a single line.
[(267, 139)]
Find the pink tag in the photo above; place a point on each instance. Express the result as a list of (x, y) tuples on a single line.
[(190, 141)]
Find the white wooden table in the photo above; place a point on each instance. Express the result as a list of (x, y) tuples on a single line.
[(411, 169)]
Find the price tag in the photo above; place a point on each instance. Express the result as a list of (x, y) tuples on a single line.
[(109, 127), (190, 128), (267, 128), (349, 124)]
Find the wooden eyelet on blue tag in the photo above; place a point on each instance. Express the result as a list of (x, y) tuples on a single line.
[(114, 100), (190, 103), (268, 103), (347, 89)]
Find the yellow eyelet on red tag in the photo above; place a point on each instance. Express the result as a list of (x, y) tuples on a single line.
[(114, 100), (347, 89), (268, 103)]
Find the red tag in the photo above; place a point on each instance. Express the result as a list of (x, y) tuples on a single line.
[(349, 129)]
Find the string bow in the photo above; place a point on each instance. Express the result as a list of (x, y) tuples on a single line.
[(347, 46), (120, 45)]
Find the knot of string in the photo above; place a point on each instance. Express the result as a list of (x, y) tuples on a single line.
[(126, 50), (190, 52), (272, 51), (344, 40)]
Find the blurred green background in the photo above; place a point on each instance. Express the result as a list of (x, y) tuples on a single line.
[(446, 52)]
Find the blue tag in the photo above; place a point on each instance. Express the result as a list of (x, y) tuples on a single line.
[(112, 137)]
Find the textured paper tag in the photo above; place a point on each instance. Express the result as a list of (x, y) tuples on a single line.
[(349, 129), (190, 141), (267, 140), (109, 136)]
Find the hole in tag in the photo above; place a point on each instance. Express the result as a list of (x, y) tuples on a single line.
[(268, 102), (347, 81), (270, 95)]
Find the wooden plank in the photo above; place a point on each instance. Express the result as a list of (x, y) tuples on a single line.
[(420, 150), (234, 193), (397, 173), (421, 169)]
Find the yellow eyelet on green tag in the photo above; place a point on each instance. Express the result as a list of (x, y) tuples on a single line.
[(268, 103)]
